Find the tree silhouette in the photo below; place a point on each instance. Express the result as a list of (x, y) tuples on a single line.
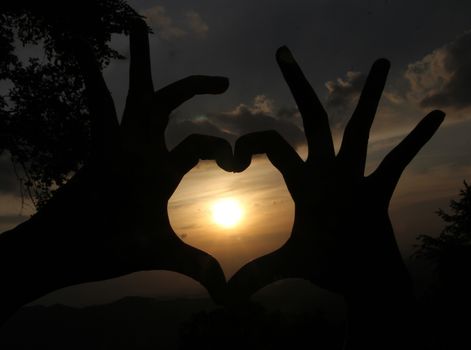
[(447, 301), (47, 93), (455, 236)]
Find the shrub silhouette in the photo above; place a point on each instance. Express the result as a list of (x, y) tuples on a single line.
[(448, 303)]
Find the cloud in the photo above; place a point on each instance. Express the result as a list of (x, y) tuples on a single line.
[(442, 78), (178, 130), (163, 23), (342, 98), (167, 28), (196, 24), (344, 92), (259, 116)]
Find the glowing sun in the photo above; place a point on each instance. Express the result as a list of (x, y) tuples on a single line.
[(227, 212)]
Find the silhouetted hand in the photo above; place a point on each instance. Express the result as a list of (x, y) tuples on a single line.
[(342, 239), (111, 218)]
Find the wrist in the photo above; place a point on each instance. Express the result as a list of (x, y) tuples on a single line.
[(383, 316), (25, 268), (382, 311), (37, 257)]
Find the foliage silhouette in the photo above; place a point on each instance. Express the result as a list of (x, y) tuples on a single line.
[(447, 302), (47, 93), (342, 237), (111, 218), (457, 232)]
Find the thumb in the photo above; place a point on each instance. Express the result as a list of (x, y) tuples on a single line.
[(201, 267), (260, 273)]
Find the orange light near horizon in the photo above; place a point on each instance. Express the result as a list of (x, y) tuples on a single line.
[(227, 212)]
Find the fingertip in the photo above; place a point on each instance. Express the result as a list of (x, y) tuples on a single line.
[(220, 295), (433, 120), (216, 284), (438, 115), (138, 24), (223, 83), (206, 269), (282, 49), (240, 165), (284, 55), (226, 164), (242, 153), (225, 159), (382, 64), (215, 84)]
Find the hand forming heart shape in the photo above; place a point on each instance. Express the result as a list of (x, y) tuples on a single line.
[(342, 238), (111, 218)]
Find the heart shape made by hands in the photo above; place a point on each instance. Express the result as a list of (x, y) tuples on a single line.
[(115, 213), (334, 200), (234, 216)]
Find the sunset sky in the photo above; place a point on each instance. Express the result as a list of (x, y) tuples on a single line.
[(335, 42)]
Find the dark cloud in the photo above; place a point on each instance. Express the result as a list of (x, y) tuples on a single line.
[(343, 93), (242, 120), (443, 78), (197, 24), (178, 130), (261, 116), (167, 28)]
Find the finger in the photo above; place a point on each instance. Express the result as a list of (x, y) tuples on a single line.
[(140, 75), (279, 152), (173, 95), (100, 102), (389, 171), (202, 267), (315, 119), (355, 140), (260, 273), (195, 147)]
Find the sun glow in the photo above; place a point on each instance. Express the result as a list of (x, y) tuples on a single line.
[(227, 212)]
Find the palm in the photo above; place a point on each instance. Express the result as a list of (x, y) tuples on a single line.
[(342, 235), (339, 220)]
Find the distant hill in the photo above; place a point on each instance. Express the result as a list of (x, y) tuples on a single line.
[(147, 323), (130, 323)]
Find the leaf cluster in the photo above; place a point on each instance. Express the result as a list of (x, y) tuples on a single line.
[(44, 121), (456, 233)]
